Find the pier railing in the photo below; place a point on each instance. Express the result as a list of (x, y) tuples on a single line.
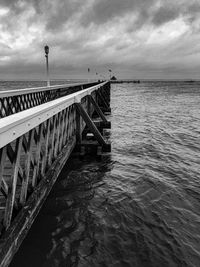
[(13, 101), (34, 146)]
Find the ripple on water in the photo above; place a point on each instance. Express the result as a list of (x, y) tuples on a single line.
[(140, 206)]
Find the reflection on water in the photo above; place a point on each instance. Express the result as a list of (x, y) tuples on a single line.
[(140, 205), (64, 234)]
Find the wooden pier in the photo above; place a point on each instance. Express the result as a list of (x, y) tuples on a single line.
[(39, 129), (125, 81)]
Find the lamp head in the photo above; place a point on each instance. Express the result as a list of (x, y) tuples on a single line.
[(46, 49)]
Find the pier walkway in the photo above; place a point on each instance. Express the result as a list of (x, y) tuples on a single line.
[(39, 129)]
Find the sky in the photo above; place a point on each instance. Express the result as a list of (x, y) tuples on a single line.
[(136, 39)]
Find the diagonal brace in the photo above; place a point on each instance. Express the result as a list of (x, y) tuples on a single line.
[(90, 124), (104, 101), (97, 108)]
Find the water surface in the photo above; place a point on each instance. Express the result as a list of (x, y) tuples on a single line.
[(140, 205)]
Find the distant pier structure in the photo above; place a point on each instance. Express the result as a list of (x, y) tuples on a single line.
[(39, 129), (124, 81)]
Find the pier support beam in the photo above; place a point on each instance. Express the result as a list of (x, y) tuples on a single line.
[(78, 128), (92, 127), (90, 124), (97, 109), (103, 100)]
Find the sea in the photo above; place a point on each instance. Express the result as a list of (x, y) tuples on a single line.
[(139, 206)]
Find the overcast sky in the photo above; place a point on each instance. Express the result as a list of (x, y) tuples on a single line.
[(134, 38)]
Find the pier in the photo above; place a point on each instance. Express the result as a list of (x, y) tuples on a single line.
[(125, 81), (39, 129)]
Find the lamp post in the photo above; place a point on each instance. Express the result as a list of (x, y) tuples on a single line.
[(46, 49), (110, 73)]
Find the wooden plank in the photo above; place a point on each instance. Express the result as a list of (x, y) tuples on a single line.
[(12, 155), (25, 181), (38, 155), (25, 145), (65, 138), (62, 130), (3, 184), (56, 145), (78, 127), (2, 162), (70, 122), (51, 153), (45, 158), (4, 188), (12, 190)]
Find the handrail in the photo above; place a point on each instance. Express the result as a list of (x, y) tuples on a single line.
[(15, 92), (18, 124), (35, 144)]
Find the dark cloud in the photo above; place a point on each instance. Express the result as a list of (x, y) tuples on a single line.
[(53, 13), (98, 33), (57, 15), (165, 14), (103, 11), (171, 11), (20, 4)]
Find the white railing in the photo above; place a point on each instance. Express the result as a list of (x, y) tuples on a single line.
[(14, 101), (18, 124), (34, 146), (23, 91)]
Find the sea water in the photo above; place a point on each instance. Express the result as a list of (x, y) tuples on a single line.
[(140, 205)]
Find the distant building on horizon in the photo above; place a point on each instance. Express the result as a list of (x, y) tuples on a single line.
[(113, 78)]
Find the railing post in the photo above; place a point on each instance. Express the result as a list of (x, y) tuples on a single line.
[(12, 188)]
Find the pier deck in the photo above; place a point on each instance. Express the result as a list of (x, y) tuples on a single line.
[(35, 143)]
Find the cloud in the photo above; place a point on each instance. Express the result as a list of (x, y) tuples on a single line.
[(172, 10), (130, 34), (165, 14), (103, 11)]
